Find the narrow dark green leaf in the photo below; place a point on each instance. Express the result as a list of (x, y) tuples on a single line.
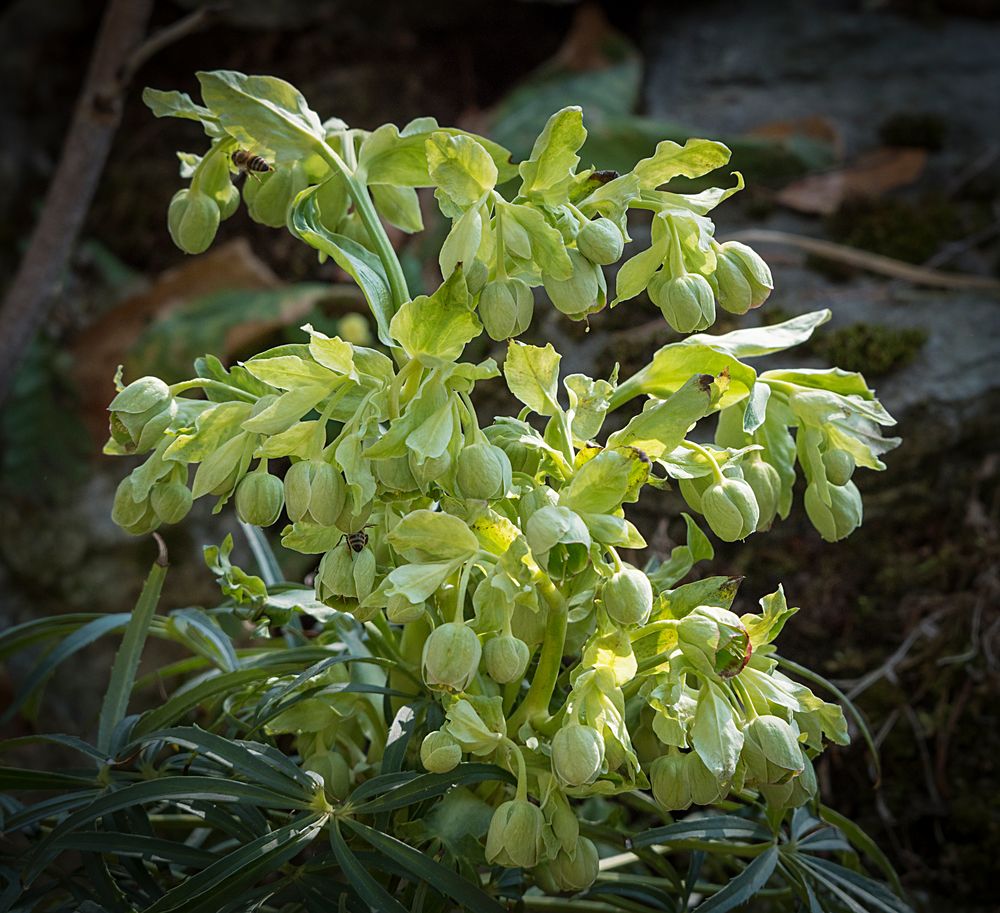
[(715, 827), (864, 843), (426, 869), (13, 778), (398, 738), (76, 641), (200, 634), (128, 844), (373, 894), (426, 786), (263, 554), (56, 626), (127, 659), (67, 741), (867, 890), (743, 886), (214, 887), (48, 808)]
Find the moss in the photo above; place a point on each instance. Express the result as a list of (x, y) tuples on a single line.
[(871, 348), (904, 230), (914, 128)]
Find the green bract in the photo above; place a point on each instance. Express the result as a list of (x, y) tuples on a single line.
[(469, 598)]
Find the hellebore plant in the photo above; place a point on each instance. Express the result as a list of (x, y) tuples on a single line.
[(477, 670)]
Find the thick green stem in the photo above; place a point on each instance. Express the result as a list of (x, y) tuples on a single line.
[(549, 660)]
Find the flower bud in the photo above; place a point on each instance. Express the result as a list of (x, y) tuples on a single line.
[(668, 776), (228, 200), (566, 873), (841, 517), (269, 197), (601, 242), (476, 274), (451, 657), (335, 575), (576, 296), (692, 490), (141, 413), (506, 307), (314, 492), (515, 835), (394, 474), (771, 750), (126, 511), (483, 472), (763, 478), (401, 611), (628, 596), (506, 658), (259, 498), (508, 438), (439, 752), (730, 509), (170, 500), (193, 220), (705, 786), (754, 270), (334, 770), (577, 754), (839, 466), (433, 471), (686, 301)]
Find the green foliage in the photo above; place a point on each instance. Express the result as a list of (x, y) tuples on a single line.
[(472, 614)]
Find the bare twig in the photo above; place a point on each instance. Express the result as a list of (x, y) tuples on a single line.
[(95, 120), (866, 260), (193, 22)]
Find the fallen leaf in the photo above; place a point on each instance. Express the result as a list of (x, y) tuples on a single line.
[(872, 175)]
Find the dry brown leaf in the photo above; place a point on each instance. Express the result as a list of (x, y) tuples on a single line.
[(872, 175), (815, 127)]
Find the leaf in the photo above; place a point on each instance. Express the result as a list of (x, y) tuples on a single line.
[(418, 582), (709, 827), (428, 535), (179, 104), (74, 642), (682, 557), (547, 248), (397, 739), (437, 328), (743, 886), (358, 876), (427, 786), (358, 262), (663, 425), (765, 340), (600, 485), (399, 206), (263, 111), (460, 167), (714, 733), (862, 842), (16, 778), (132, 844), (548, 172), (692, 160), (427, 870), (532, 375)]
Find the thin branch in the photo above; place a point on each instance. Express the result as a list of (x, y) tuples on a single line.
[(193, 22), (85, 150)]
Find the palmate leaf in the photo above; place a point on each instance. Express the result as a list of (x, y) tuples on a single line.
[(426, 869), (743, 886)]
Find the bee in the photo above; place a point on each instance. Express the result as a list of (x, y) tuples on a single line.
[(249, 163), (356, 541)]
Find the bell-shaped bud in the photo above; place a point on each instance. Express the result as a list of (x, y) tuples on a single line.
[(628, 596), (483, 472), (334, 770), (506, 307), (314, 492), (668, 776), (433, 471), (601, 242), (269, 197), (394, 474), (228, 200), (686, 301), (771, 750), (141, 413), (476, 274), (451, 657), (692, 490), (755, 272), (570, 873), (439, 752), (506, 658), (193, 220), (508, 438), (763, 478), (838, 466), (170, 500), (126, 511), (577, 754), (335, 576), (841, 517), (706, 788), (730, 509), (401, 611), (515, 835), (259, 498), (576, 296)]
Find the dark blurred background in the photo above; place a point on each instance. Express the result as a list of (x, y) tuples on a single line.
[(875, 125)]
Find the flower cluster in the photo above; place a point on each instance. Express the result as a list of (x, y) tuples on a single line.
[(485, 563)]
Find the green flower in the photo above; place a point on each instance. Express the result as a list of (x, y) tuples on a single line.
[(506, 307), (483, 471), (628, 596), (601, 242), (576, 296), (451, 657), (763, 478), (314, 492), (742, 278), (570, 873), (686, 301), (515, 835), (506, 658), (140, 414), (171, 499), (259, 498), (668, 776), (839, 518), (839, 466), (730, 508), (771, 750), (577, 754), (439, 752), (193, 219)]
